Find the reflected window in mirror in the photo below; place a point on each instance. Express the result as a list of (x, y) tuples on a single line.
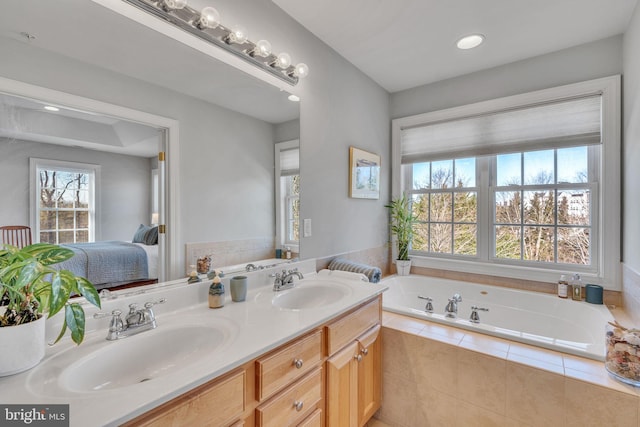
[(64, 201), (155, 185), (291, 186), (287, 159)]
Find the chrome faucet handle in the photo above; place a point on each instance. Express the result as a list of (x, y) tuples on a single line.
[(150, 304), (457, 297), (103, 314), (429, 306), (115, 326), (475, 317)]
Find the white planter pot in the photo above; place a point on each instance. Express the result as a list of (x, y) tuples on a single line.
[(403, 267), (21, 347)]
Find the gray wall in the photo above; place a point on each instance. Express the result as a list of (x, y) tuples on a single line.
[(631, 144), (125, 195), (588, 61)]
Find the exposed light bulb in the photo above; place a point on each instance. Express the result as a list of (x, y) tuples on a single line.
[(173, 4), (263, 49), (209, 18), (301, 70), (237, 35), (470, 41), (293, 98), (283, 60)]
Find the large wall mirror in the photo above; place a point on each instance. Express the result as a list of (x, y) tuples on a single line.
[(220, 127)]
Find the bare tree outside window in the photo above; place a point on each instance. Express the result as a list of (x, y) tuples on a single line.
[(540, 213), (64, 205)]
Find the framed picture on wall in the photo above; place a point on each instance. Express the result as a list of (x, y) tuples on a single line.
[(364, 174)]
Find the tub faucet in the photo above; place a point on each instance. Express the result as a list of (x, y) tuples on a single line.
[(451, 310)]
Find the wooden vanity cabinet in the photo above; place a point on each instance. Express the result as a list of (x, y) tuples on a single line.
[(354, 390), (329, 377), (220, 402)]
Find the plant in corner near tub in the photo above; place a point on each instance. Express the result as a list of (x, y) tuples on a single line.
[(30, 288), (402, 220)]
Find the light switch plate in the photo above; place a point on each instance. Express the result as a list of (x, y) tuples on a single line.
[(307, 227)]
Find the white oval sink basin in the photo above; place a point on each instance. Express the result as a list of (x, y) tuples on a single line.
[(142, 357), (312, 294)]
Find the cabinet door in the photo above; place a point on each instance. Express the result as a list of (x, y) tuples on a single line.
[(342, 387), (215, 404), (369, 375)]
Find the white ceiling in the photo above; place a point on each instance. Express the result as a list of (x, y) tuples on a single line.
[(27, 119), (407, 43)]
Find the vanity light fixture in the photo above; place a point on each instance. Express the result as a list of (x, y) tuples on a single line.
[(51, 108), (209, 18), (205, 24), (470, 41)]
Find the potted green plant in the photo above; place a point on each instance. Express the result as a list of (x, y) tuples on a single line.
[(402, 220), (30, 290)]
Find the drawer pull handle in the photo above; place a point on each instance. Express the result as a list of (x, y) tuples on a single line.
[(365, 351), (298, 405), (358, 357), (297, 363)]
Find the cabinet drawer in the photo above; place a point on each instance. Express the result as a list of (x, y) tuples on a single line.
[(293, 404), (287, 364), (210, 405), (313, 420), (343, 331)]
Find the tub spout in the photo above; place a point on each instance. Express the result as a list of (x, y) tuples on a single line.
[(451, 310)]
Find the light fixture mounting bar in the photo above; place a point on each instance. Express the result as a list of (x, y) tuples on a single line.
[(184, 19)]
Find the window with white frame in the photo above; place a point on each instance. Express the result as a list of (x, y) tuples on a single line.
[(519, 183), (64, 201)]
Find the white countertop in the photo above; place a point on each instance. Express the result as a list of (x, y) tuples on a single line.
[(254, 327)]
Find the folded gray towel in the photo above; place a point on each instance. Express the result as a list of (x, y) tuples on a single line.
[(373, 273)]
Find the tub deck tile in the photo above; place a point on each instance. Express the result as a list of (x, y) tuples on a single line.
[(486, 344), (536, 363), (536, 353)]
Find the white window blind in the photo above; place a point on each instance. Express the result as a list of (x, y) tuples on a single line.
[(290, 162), (553, 124)]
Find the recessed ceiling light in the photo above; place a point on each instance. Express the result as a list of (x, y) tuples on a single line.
[(294, 98), (470, 41), (51, 108)]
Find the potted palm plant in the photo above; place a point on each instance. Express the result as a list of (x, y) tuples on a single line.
[(402, 220), (30, 290)]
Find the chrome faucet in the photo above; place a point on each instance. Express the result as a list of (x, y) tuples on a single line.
[(451, 310), (429, 305), (475, 317), (284, 280), (136, 321)]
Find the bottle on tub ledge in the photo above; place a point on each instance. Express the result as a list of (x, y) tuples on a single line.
[(576, 287), (563, 287)]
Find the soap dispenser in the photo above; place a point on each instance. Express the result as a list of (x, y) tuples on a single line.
[(216, 292), (576, 287)]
